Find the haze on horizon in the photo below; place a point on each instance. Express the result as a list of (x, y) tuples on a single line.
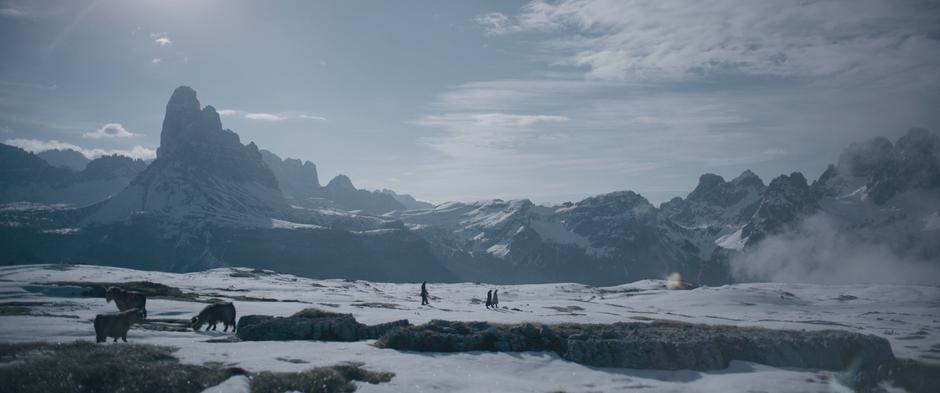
[(551, 101)]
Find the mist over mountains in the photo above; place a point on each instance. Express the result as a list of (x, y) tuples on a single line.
[(208, 200)]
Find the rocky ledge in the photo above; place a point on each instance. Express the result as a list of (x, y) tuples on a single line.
[(311, 324), (661, 345)]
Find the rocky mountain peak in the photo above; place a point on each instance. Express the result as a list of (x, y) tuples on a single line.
[(707, 182), (341, 183), (714, 190), (201, 169), (748, 179), (865, 158), (885, 169)]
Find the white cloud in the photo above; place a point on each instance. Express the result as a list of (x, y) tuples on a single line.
[(642, 39), (37, 86), (497, 23), (311, 117), (265, 116), (14, 12), (270, 117), (36, 146), (161, 39), (156, 60), (110, 130), (493, 137)]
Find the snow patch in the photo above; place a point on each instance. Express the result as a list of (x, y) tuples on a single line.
[(236, 384), (499, 250), (281, 224), (732, 241)]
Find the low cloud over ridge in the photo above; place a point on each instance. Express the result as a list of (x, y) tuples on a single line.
[(37, 146)]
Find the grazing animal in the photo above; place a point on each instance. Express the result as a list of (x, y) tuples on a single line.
[(126, 300), (116, 324), (213, 314)]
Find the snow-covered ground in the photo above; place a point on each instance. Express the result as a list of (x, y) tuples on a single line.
[(908, 316)]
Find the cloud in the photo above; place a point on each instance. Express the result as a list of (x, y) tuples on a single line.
[(641, 39), (110, 130), (270, 117), (477, 135), (156, 60), (496, 23), (25, 85), (12, 12), (817, 251), (161, 39), (36, 146), (265, 116)]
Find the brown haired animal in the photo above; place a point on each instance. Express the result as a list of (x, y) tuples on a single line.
[(116, 324), (213, 314), (126, 300)]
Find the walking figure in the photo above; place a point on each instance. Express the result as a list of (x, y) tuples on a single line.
[(489, 298), (424, 293), (495, 299)]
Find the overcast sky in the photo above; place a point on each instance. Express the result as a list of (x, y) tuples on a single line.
[(551, 101)]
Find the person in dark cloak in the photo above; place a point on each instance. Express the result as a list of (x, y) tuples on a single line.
[(489, 298), (424, 293), (495, 298)]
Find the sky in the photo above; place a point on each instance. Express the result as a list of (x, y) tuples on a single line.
[(460, 101)]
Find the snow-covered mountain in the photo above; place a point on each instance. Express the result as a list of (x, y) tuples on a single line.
[(208, 200), (879, 192), (202, 172)]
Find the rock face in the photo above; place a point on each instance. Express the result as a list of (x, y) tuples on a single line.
[(311, 324), (658, 345)]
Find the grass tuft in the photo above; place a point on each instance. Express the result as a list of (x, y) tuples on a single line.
[(83, 366)]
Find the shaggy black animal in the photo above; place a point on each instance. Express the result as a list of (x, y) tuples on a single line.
[(213, 314), (126, 300), (116, 324)]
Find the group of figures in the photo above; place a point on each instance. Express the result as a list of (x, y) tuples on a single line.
[(132, 308), (492, 297)]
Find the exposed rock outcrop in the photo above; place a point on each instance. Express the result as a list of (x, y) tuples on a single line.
[(311, 324), (659, 345)]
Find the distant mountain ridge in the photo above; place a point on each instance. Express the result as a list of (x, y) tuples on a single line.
[(66, 158), (301, 186), (26, 177), (208, 200)]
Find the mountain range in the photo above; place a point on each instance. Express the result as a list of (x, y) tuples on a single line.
[(208, 200)]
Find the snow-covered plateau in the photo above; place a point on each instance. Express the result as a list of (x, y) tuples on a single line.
[(908, 316)]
